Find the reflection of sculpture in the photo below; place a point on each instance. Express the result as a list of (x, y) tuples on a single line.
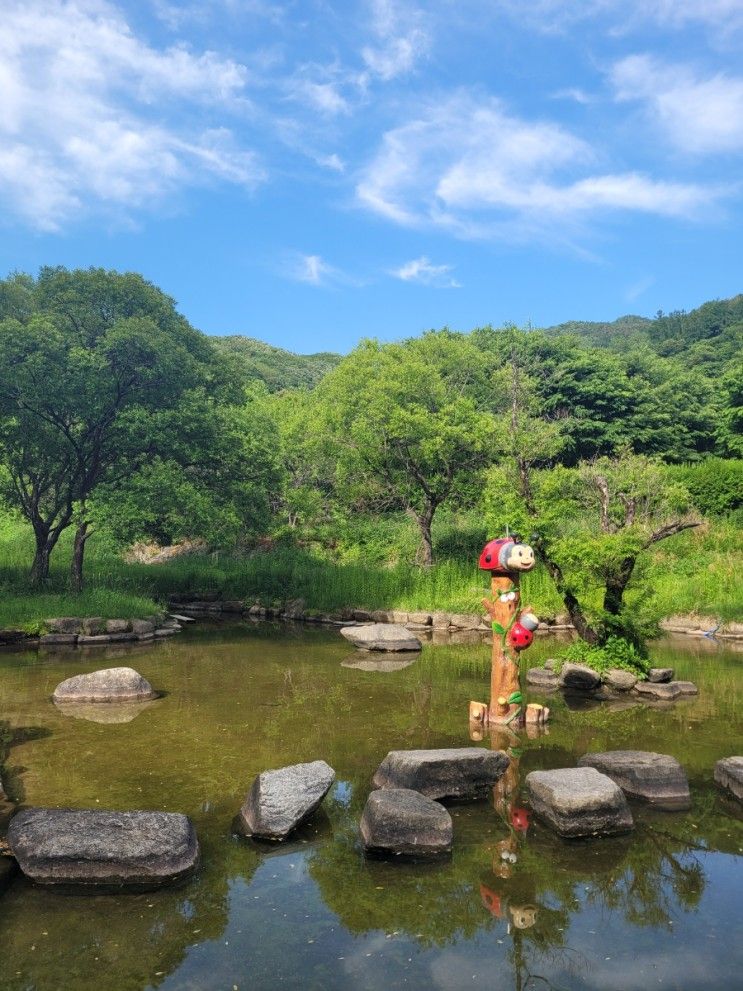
[(513, 631)]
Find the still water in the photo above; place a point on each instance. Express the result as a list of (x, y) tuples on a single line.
[(660, 908)]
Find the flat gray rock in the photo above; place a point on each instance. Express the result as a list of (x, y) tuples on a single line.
[(729, 775), (650, 777), (657, 690), (686, 687), (579, 678), (660, 675), (386, 665), (108, 685), (381, 636), (579, 802), (92, 848), (401, 822), (542, 678), (280, 800), (457, 773), (620, 680)]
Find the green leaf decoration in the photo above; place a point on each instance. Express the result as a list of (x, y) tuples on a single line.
[(497, 628), (515, 697)]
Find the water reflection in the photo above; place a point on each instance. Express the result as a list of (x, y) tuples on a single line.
[(609, 914)]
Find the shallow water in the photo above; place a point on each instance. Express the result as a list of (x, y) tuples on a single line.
[(658, 908)]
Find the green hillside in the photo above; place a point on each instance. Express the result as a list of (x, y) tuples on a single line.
[(279, 369)]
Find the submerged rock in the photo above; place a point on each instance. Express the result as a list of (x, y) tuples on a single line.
[(381, 636), (578, 678), (668, 690), (579, 802), (110, 713), (107, 685), (655, 778), (729, 775), (398, 821), (92, 848), (385, 665), (280, 800), (458, 773)]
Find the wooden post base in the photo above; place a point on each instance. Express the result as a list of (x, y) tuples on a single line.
[(507, 715)]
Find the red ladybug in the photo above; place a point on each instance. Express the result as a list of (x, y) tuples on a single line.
[(520, 819), (491, 901), (521, 634), (502, 556)]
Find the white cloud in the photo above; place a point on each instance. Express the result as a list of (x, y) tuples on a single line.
[(91, 115), (468, 165), (400, 38), (720, 16), (421, 270), (312, 269), (699, 115)]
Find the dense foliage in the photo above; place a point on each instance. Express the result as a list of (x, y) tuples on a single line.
[(603, 440)]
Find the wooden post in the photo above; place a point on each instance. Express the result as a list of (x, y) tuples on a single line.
[(504, 672)]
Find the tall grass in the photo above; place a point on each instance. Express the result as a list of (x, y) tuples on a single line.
[(691, 572)]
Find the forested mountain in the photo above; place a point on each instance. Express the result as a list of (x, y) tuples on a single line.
[(279, 369)]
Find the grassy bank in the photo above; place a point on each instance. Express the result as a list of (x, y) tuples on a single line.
[(692, 573)]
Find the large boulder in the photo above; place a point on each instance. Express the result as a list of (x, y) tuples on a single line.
[(655, 778), (729, 775), (92, 848), (401, 822), (280, 800), (458, 773), (381, 636), (107, 685), (542, 678), (579, 678), (620, 680), (579, 802)]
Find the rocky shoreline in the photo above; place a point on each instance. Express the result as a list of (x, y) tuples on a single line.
[(434, 627)]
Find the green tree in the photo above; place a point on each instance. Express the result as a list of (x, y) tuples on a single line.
[(407, 427), (89, 358)]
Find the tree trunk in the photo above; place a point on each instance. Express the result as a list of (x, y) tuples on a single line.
[(616, 586), (77, 581), (577, 617), (424, 521), (40, 567)]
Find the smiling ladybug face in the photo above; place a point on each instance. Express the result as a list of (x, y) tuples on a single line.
[(506, 555)]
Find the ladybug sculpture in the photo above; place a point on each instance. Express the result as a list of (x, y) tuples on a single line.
[(521, 634), (520, 818), (500, 557)]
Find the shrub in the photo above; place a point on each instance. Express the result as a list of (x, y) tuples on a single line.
[(615, 653)]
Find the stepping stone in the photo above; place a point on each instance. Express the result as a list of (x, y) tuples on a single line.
[(458, 773), (579, 678), (108, 685), (92, 848), (729, 775), (280, 800), (660, 675), (542, 678), (655, 778), (620, 680), (579, 802), (398, 821), (381, 636)]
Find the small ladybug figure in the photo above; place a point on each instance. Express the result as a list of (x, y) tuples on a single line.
[(501, 557), (521, 634), (520, 819)]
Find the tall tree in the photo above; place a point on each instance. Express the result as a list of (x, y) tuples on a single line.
[(407, 426), (89, 357)]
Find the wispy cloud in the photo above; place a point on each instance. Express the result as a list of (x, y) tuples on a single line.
[(466, 164), (639, 288), (92, 115), (421, 270), (699, 114), (314, 270), (400, 38)]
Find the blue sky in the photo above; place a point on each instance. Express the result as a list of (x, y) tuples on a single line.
[(312, 172)]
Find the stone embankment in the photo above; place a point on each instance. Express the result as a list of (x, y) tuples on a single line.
[(578, 679), (92, 631)]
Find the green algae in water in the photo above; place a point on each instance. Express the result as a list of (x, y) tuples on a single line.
[(655, 908)]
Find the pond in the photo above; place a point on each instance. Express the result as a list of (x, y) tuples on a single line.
[(660, 907)]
